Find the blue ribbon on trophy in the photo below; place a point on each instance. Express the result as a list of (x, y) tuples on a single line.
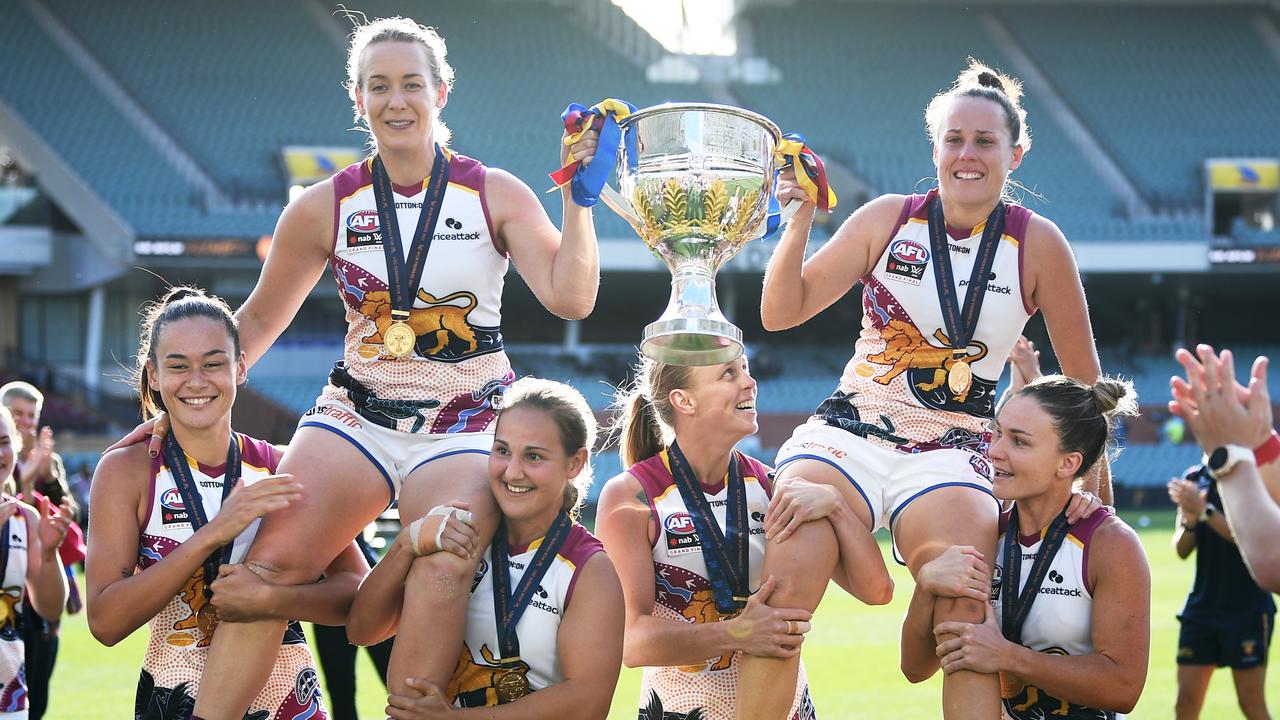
[(586, 181)]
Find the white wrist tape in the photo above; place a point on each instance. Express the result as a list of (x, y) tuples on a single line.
[(415, 528)]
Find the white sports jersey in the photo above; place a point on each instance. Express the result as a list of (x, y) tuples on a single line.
[(481, 665), (684, 593), (458, 364), (13, 696), (1061, 618), (894, 389), (178, 645)]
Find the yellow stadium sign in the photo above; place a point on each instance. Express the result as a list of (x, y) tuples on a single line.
[(307, 165), (1247, 175)]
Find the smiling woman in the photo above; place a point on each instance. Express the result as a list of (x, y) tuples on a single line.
[(950, 278)]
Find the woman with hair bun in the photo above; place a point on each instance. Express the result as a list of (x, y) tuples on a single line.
[(1068, 624), (543, 635), (949, 279)]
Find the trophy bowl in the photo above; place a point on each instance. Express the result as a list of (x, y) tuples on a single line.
[(695, 181)]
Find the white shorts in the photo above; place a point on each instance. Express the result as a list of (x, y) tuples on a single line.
[(396, 454), (888, 480)]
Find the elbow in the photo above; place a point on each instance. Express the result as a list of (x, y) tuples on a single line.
[(880, 594), (1127, 699), (361, 635), (575, 309), (103, 633), (917, 673), (773, 320), (1268, 576), (631, 658)]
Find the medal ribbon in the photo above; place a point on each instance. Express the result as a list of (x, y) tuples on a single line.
[(586, 182), (176, 460), (962, 322), (810, 172), (509, 607), (1016, 606), (726, 554), (4, 548), (402, 281)]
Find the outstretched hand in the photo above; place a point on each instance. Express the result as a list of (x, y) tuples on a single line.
[(1218, 409)]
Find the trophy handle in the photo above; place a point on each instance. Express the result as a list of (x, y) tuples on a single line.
[(620, 205)]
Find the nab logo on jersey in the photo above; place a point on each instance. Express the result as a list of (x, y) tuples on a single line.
[(907, 261), (172, 510), (681, 536), (363, 230)]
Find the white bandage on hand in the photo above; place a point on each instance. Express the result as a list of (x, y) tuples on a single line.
[(415, 527)]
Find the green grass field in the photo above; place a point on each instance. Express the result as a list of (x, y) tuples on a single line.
[(851, 656)]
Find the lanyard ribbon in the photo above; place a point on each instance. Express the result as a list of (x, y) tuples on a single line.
[(726, 554), (810, 172), (509, 607), (1016, 606), (402, 281), (962, 322), (176, 459), (586, 182)]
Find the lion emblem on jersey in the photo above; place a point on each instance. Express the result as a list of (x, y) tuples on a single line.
[(440, 319), (193, 596), (905, 348), (9, 613), (475, 684), (702, 609)]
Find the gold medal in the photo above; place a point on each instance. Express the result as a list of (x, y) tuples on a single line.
[(207, 620), (959, 378), (1011, 686), (398, 339), (511, 686)]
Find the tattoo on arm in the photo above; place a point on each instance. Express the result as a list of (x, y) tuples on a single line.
[(126, 572)]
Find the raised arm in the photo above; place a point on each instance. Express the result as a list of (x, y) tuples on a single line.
[(623, 524), (300, 249), (120, 599), (561, 267), (46, 580), (796, 289)]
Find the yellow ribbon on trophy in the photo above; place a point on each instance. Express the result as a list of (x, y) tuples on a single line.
[(810, 172)]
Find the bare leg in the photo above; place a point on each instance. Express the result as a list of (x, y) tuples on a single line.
[(342, 493), (1193, 683), (802, 564), (1251, 692), (933, 522), (436, 592)]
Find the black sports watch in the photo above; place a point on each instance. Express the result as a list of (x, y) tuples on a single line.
[(1223, 459)]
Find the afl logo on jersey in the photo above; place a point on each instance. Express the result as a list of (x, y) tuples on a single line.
[(679, 524), (173, 511), (907, 261), (363, 231), (363, 221)]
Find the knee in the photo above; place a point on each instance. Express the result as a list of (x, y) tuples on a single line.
[(443, 573), (284, 570), (959, 609)]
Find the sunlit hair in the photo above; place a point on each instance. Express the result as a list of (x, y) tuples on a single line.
[(396, 29), (15, 440), (178, 303), (22, 391), (572, 415), (645, 422), (1083, 416)]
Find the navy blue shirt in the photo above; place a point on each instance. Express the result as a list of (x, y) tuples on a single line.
[(1223, 585)]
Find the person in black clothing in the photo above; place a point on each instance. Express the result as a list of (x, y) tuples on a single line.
[(337, 657), (1227, 619)]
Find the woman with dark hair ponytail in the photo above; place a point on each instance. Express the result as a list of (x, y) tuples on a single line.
[(169, 532), (686, 527), (1067, 624), (949, 279)]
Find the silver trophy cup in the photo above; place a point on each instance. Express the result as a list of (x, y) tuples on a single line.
[(694, 181)]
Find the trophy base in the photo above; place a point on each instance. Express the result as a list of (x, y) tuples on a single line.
[(692, 341)]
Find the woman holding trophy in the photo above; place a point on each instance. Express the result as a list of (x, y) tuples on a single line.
[(904, 438), (406, 414)]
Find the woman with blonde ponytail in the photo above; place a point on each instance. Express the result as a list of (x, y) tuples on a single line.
[(686, 525), (949, 279), (1067, 625)]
